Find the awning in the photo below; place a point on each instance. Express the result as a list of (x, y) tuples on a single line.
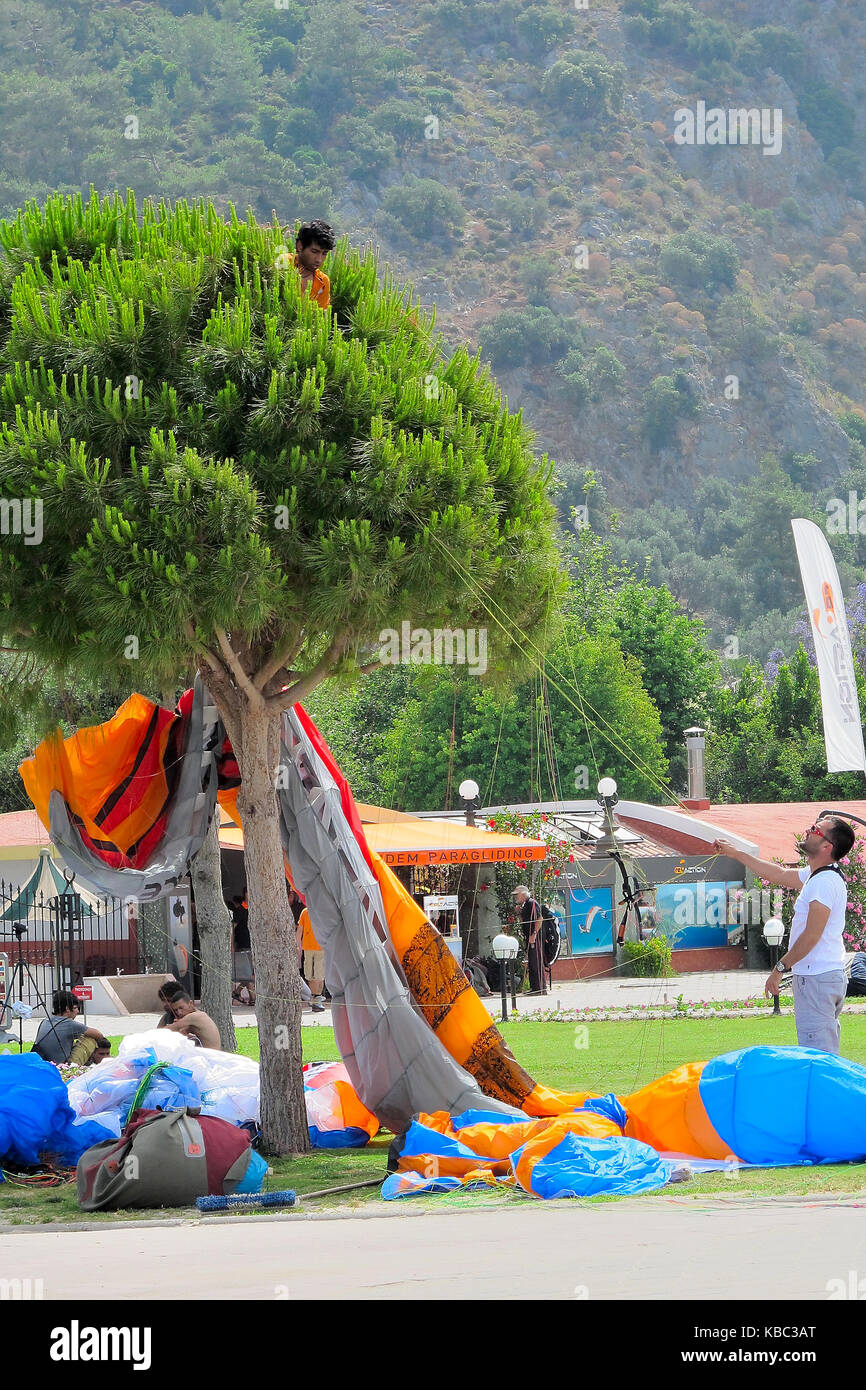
[(403, 840)]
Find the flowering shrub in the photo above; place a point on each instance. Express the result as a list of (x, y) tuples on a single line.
[(534, 825)]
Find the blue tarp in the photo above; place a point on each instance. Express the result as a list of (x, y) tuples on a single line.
[(580, 1167), (777, 1105), (36, 1118)]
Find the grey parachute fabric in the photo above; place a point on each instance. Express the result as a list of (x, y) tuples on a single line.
[(395, 1061), (192, 807)]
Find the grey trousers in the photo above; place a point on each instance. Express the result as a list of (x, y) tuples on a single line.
[(818, 1001)]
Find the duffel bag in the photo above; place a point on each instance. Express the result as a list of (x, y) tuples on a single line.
[(164, 1158)]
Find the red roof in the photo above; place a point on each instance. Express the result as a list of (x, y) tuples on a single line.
[(774, 825), (22, 830)]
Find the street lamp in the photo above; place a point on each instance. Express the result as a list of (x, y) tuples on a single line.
[(607, 796), (774, 930), (504, 949), (468, 792), (607, 799)]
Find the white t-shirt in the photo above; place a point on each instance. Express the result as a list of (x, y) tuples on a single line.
[(830, 889)]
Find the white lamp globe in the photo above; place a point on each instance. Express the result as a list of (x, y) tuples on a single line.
[(774, 930), (468, 790), (607, 787)]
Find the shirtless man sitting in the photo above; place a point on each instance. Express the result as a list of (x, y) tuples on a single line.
[(193, 1022)]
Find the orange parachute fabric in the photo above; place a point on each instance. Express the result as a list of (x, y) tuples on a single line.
[(117, 780), (670, 1115)]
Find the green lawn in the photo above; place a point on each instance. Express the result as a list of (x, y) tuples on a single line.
[(618, 1057)]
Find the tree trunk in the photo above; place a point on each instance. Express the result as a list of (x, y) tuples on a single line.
[(214, 934), (273, 939)]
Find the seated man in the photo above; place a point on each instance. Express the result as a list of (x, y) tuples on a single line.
[(63, 1037), (193, 1022), (167, 994)]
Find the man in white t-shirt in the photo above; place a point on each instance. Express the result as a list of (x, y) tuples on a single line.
[(815, 954)]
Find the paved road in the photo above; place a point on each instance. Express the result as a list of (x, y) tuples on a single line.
[(666, 1249), (604, 992)]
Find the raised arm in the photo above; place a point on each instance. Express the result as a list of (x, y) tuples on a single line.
[(764, 868)]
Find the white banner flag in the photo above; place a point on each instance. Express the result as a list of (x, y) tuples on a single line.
[(843, 732)]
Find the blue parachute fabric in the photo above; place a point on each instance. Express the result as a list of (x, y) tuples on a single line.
[(36, 1118), (608, 1106), (787, 1105), (486, 1117), (253, 1179), (420, 1139), (349, 1138), (579, 1167), (414, 1185)]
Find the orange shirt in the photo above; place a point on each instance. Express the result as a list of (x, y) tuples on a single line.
[(320, 289), (308, 940)]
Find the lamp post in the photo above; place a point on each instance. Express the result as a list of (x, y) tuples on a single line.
[(774, 930), (468, 792), (607, 799), (505, 950)]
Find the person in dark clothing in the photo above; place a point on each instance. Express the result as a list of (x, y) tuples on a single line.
[(63, 1037), (530, 917)]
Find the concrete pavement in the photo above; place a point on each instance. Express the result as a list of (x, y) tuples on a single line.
[(602, 993), (664, 1248)]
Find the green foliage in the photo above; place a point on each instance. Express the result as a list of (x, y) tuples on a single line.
[(741, 331), (696, 260), (651, 959), (677, 667), (534, 276), (523, 215), (522, 337), (424, 208), (772, 46), (584, 85), (216, 454), (827, 115), (854, 424), (667, 400)]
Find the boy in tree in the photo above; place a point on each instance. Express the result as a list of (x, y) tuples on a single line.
[(312, 244)]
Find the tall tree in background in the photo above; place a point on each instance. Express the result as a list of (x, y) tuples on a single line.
[(231, 478)]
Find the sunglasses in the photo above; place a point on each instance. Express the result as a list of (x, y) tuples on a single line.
[(813, 830)]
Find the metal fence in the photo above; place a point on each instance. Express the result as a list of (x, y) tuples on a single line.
[(54, 942)]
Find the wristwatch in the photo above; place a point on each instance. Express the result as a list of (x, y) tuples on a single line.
[(780, 966)]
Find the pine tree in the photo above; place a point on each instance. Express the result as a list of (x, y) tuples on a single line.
[(231, 478)]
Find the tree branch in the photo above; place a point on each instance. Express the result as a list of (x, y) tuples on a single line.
[(302, 687), (233, 663), (281, 657)]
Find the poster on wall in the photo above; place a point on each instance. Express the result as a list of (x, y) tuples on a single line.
[(591, 916), (180, 937)]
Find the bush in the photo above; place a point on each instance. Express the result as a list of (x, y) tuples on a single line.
[(523, 337), (424, 208), (534, 277), (540, 28), (697, 260), (740, 330), (585, 84), (367, 152), (650, 959), (522, 214), (854, 425), (298, 126), (826, 114), (667, 400), (608, 373)]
